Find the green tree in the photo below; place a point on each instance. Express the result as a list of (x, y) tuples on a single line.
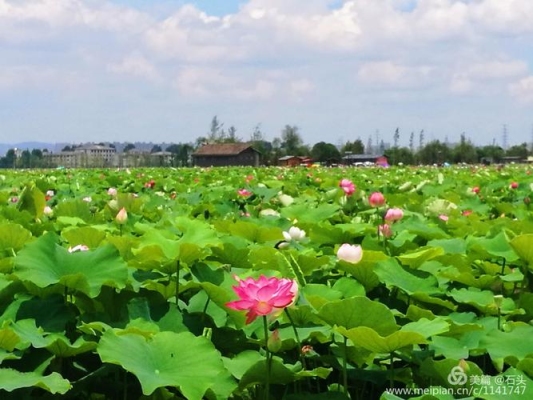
[(216, 132), (396, 137), (490, 154), (355, 147), (291, 141), (465, 152), (128, 147), (156, 149), (434, 152), (519, 151), (397, 155), (324, 152)]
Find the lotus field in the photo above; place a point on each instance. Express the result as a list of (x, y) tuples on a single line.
[(269, 283)]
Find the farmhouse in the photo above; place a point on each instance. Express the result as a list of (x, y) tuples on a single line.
[(226, 154), (365, 159), (293, 161)]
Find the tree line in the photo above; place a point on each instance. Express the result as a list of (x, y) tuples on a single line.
[(290, 142)]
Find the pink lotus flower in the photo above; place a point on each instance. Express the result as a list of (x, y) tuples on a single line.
[(352, 253), (475, 189), (244, 193), (264, 296), (444, 217), (122, 216), (348, 186), (514, 185), (376, 199), (112, 191), (385, 230), (48, 211), (393, 214), (14, 199)]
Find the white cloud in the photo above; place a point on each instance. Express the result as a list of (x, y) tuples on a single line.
[(136, 65), (523, 90), (390, 74)]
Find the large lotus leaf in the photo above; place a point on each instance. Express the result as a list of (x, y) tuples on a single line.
[(426, 327), (221, 295), (523, 246), (450, 246), (448, 347), (197, 232), (32, 200), (231, 255), (13, 236), (364, 270), (513, 384), (50, 313), (167, 359), (43, 262), (280, 374), (439, 371), (74, 208), (319, 294), (242, 362), (483, 300), (305, 213), (421, 228), (53, 383), (514, 344), (359, 311), (369, 339), (417, 258), (86, 235), (498, 246), (255, 233), (393, 274), (349, 287)]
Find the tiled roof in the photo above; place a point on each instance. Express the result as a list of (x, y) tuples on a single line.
[(222, 149)]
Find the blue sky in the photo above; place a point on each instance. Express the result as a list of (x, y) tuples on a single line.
[(133, 70)]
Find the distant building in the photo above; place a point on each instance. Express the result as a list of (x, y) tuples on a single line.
[(293, 161), (365, 159), (226, 154)]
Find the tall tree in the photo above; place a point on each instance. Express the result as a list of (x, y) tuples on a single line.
[(412, 142), (291, 141), (421, 140), (355, 147), (434, 152), (325, 152), (216, 131), (396, 137), (465, 151)]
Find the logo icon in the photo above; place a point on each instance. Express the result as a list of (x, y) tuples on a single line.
[(457, 376)]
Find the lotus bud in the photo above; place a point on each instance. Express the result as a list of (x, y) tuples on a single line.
[(274, 342), (122, 216)]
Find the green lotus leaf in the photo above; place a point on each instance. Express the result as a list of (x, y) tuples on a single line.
[(242, 362), (32, 200), (439, 371), (417, 258), (73, 208), (518, 386), (304, 213), (483, 300), (426, 327), (449, 347), (501, 345), (280, 374), (43, 262), (255, 233), (179, 360), (523, 246), (197, 232), (86, 235), (7, 355), (450, 246), (53, 383), (498, 246), (317, 294), (222, 294), (359, 311), (369, 339), (393, 274), (364, 270), (349, 287), (13, 236)]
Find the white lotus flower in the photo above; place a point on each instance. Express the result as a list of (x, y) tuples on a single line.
[(294, 234), (352, 253)]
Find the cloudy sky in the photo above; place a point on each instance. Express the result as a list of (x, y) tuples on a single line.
[(159, 70)]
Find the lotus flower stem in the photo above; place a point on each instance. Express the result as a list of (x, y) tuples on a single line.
[(345, 366), (297, 336), (177, 284), (267, 377), (391, 376)]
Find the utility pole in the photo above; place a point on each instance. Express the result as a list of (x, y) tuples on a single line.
[(504, 137)]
